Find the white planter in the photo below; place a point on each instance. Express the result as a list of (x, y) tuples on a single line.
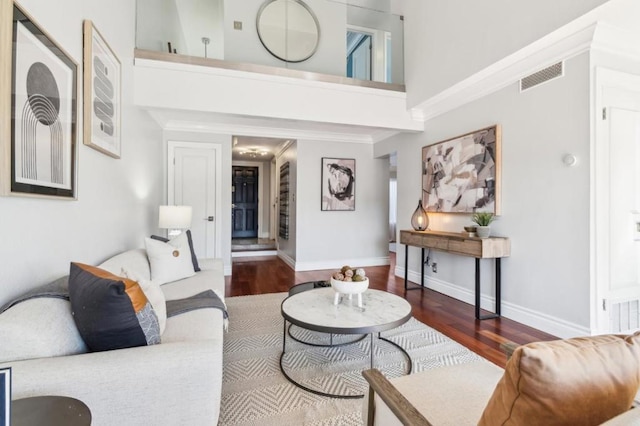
[(483, 231), (349, 288)]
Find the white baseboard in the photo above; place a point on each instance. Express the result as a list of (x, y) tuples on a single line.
[(337, 264), (538, 320), (254, 253), (227, 270), (287, 259)]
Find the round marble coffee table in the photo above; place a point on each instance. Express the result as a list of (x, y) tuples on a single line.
[(314, 310)]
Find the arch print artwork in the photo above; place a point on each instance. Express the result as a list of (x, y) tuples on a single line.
[(338, 184), (462, 174), (43, 126), (102, 103)]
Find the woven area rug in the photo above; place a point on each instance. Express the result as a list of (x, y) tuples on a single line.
[(254, 391)]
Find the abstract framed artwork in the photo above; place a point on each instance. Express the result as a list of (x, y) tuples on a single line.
[(462, 174), (5, 396), (338, 184), (44, 113), (102, 94)]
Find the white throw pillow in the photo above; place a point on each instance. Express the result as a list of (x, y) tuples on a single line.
[(154, 294), (170, 261)]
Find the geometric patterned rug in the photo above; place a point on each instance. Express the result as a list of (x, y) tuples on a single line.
[(254, 391)]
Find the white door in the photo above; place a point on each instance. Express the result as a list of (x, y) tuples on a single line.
[(194, 180), (618, 202)]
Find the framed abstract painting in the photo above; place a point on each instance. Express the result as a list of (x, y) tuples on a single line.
[(44, 113), (102, 103), (338, 184), (462, 174)]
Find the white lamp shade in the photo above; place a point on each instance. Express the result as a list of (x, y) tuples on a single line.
[(175, 217)]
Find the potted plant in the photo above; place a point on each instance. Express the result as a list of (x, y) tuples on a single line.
[(483, 220)]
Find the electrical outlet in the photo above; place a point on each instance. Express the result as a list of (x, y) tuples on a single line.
[(434, 267), (237, 25)]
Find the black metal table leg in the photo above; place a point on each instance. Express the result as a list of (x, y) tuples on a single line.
[(498, 287), (406, 269), (478, 292)]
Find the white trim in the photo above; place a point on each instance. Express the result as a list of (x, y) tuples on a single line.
[(292, 81), (336, 264), (270, 132), (287, 259), (260, 166), (616, 41), (257, 253), (541, 321), (567, 42), (228, 270), (217, 148)]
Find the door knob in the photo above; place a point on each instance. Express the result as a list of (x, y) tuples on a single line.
[(209, 219), (233, 206)]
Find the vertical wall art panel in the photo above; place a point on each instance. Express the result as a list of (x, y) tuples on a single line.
[(43, 127), (462, 174), (338, 184), (283, 231), (5, 396), (102, 103)]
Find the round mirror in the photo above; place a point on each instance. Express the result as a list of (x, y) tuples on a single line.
[(288, 29)]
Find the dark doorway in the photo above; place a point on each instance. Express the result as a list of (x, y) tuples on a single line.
[(244, 207)]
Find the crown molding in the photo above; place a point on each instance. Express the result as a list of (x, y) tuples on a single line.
[(616, 41), (569, 41)]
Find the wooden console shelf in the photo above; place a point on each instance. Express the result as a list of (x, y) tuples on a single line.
[(457, 243)]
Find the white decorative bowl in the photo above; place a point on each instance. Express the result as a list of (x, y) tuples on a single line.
[(350, 287)]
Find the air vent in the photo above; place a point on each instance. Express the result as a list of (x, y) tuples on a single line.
[(542, 76), (625, 316)]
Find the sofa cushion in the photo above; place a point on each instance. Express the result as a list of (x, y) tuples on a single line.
[(583, 381), (135, 261), (169, 261), (39, 328), (194, 258), (111, 312)]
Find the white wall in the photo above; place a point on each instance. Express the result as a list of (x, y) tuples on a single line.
[(330, 239), (287, 248), (245, 45), (545, 203), (446, 42), (226, 143), (158, 23), (117, 199)]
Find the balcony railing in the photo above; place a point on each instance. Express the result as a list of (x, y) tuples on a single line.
[(349, 39)]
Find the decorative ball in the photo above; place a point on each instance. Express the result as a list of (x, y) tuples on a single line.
[(358, 278), (345, 268), (338, 276), (360, 272), (348, 273)]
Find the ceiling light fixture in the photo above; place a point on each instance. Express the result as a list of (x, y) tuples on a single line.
[(253, 153)]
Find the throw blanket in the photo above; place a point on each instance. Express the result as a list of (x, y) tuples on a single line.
[(58, 289), (206, 299)]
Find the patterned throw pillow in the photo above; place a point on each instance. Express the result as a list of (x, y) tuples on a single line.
[(111, 312)]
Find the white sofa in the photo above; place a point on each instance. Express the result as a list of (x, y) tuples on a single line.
[(176, 382)]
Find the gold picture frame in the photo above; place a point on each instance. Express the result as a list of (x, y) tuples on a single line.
[(102, 93), (463, 174)]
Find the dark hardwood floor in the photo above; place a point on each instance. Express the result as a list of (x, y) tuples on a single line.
[(449, 316)]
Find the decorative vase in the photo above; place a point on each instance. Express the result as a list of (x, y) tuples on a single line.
[(420, 219), (483, 231)]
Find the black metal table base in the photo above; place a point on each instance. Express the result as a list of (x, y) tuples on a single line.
[(498, 283), (332, 395)]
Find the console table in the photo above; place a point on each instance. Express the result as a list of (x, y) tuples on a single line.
[(460, 244)]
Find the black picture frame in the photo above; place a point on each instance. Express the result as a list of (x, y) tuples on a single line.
[(338, 179), (44, 92), (5, 396)]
